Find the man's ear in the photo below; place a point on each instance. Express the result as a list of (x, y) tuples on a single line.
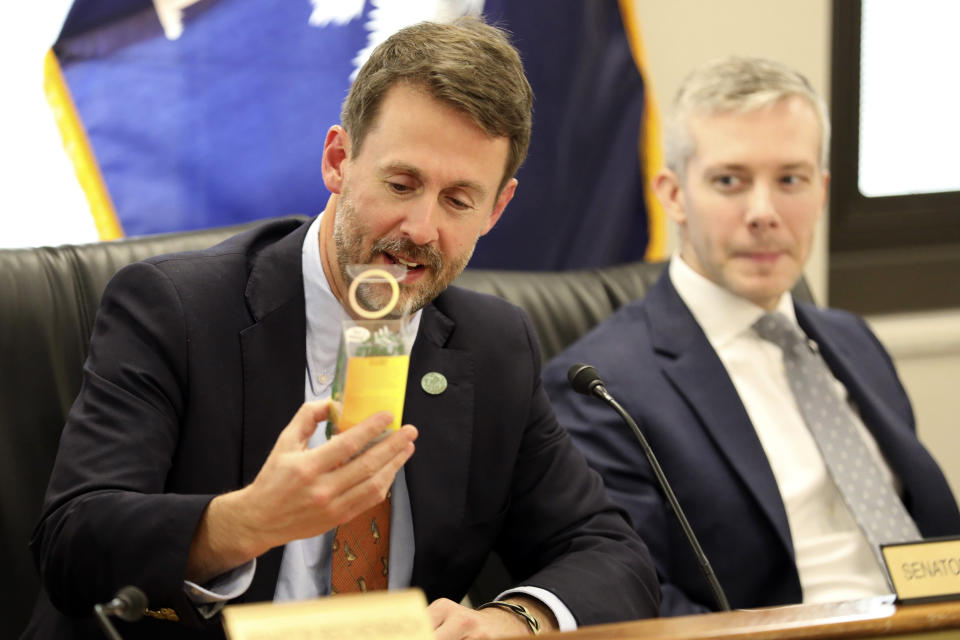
[(336, 150), (826, 191), (666, 184), (505, 196)]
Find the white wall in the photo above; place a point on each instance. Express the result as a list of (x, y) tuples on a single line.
[(679, 35), (926, 350), (42, 199)]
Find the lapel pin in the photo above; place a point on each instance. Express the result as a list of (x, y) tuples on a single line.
[(434, 383)]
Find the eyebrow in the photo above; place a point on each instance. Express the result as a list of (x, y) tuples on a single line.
[(403, 167), (800, 165), (790, 166)]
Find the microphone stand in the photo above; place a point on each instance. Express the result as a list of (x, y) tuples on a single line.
[(128, 604), (596, 388), (108, 629)]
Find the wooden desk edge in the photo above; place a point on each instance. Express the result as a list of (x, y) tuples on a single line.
[(852, 619)]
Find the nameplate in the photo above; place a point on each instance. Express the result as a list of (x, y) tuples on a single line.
[(397, 615), (924, 571)]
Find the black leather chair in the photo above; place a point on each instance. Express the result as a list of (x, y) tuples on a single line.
[(49, 297)]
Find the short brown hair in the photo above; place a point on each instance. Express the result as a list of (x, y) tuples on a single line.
[(468, 64), (735, 85)]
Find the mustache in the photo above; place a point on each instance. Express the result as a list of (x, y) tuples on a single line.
[(427, 256)]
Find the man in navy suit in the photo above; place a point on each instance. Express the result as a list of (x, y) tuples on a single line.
[(746, 182), (176, 473)]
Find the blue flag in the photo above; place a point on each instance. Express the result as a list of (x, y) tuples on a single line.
[(216, 114)]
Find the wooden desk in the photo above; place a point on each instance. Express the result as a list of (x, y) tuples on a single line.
[(854, 619)]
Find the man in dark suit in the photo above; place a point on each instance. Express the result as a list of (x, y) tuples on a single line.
[(176, 472), (720, 404)]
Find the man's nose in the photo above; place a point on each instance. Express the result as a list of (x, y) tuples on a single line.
[(761, 210), (420, 223)]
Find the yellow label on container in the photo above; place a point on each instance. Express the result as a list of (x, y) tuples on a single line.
[(374, 383)]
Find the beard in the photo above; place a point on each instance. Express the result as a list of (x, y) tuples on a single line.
[(349, 233)]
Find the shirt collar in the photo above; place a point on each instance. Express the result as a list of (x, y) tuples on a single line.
[(325, 316), (721, 314)]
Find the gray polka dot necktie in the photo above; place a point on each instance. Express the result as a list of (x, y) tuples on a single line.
[(871, 499)]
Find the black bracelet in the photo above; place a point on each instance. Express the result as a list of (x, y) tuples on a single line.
[(518, 609)]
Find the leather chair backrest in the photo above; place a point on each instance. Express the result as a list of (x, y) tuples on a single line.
[(564, 305), (48, 299)]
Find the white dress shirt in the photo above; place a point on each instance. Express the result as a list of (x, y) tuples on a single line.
[(833, 558)]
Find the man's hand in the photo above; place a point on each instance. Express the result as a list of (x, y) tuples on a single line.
[(299, 492), (452, 621)]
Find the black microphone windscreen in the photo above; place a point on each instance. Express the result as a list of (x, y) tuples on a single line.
[(583, 378)]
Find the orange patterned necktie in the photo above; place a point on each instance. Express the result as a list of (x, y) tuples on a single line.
[(361, 551)]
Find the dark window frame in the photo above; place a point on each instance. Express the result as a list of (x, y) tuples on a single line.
[(892, 253)]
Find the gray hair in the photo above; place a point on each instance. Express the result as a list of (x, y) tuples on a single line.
[(735, 85)]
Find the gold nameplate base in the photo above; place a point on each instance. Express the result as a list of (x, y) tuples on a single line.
[(396, 615), (924, 571)]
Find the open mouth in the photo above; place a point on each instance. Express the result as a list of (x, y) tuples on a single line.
[(411, 266)]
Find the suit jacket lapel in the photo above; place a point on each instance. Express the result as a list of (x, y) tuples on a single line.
[(875, 412), (274, 360), (437, 473), (926, 492), (697, 373)]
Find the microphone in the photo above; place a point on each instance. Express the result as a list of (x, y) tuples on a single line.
[(128, 604), (585, 379)]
